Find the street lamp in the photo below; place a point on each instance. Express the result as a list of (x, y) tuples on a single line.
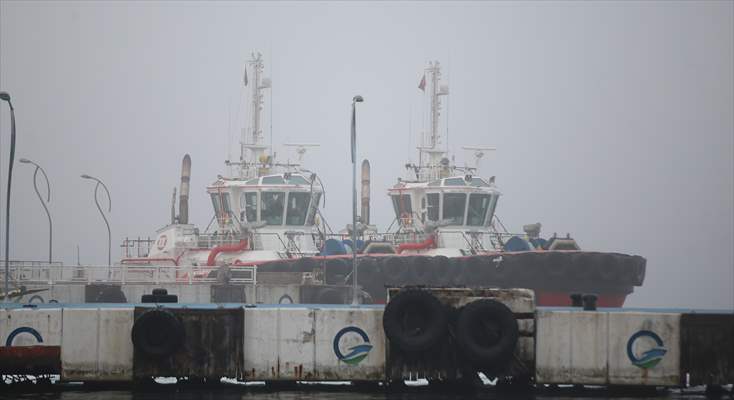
[(96, 201), (43, 202), (355, 293), (4, 96)]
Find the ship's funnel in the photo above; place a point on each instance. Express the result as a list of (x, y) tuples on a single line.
[(183, 200), (366, 192)]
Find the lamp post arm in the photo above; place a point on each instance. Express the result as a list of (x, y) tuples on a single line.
[(45, 207), (109, 233)]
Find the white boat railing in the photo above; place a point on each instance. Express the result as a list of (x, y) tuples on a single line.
[(127, 274)]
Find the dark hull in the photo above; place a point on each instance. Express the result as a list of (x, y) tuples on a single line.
[(553, 275)]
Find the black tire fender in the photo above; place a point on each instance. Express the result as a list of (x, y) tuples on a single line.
[(414, 320), (334, 267), (607, 267), (421, 270), (557, 264), (640, 267), (443, 273), (395, 270), (369, 275), (487, 333), (305, 264), (157, 333), (582, 265)]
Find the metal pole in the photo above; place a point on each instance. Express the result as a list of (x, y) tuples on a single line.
[(355, 292), (96, 201), (6, 97), (43, 203)]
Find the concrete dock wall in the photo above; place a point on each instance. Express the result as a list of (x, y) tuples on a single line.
[(608, 348), (298, 343), (279, 343)]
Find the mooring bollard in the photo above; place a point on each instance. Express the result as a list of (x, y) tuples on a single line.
[(589, 301), (576, 300)]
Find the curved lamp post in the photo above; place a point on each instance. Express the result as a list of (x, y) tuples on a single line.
[(43, 202), (4, 96), (355, 293), (96, 201)]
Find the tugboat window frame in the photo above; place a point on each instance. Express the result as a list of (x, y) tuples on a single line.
[(266, 204), (433, 211), (403, 199), (481, 211), (457, 219), (298, 219), (313, 208), (216, 204), (248, 207), (492, 208)]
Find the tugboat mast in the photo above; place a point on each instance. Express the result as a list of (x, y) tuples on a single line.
[(255, 145), (435, 155)]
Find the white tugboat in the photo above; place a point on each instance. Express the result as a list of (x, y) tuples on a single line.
[(265, 211), (442, 208)]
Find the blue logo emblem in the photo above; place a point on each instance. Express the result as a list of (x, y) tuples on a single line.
[(22, 329), (652, 355), (355, 354)]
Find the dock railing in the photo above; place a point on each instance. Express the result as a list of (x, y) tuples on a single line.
[(127, 274)]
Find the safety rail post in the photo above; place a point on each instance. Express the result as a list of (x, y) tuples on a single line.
[(157, 275), (190, 274)]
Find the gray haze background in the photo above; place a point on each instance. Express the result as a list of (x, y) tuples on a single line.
[(613, 121)]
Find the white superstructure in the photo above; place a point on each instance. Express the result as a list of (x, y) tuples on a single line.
[(442, 208), (265, 211)]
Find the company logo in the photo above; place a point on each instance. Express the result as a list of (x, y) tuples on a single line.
[(23, 329), (161, 242), (356, 353), (651, 347)]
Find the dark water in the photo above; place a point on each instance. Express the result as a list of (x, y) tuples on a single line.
[(342, 394)]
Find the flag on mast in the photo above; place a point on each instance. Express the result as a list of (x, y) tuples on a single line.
[(422, 85), (245, 76)]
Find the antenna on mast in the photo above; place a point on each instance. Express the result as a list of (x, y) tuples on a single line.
[(301, 149), (479, 152)]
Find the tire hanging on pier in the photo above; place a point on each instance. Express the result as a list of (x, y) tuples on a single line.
[(157, 333), (487, 333), (414, 320)]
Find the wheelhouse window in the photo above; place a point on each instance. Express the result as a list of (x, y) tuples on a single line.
[(222, 208), (273, 180), (454, 205), (433, 206), (272, 207), (492, 206), (478, 205), (297, 180), (454, 182), (313, 209), (297, 208), (248, 207), (401, 204), (217, 204)]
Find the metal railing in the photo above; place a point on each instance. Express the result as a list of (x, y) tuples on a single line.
[(128, 274)]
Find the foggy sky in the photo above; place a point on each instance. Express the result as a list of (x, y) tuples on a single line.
[(613, 121)]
